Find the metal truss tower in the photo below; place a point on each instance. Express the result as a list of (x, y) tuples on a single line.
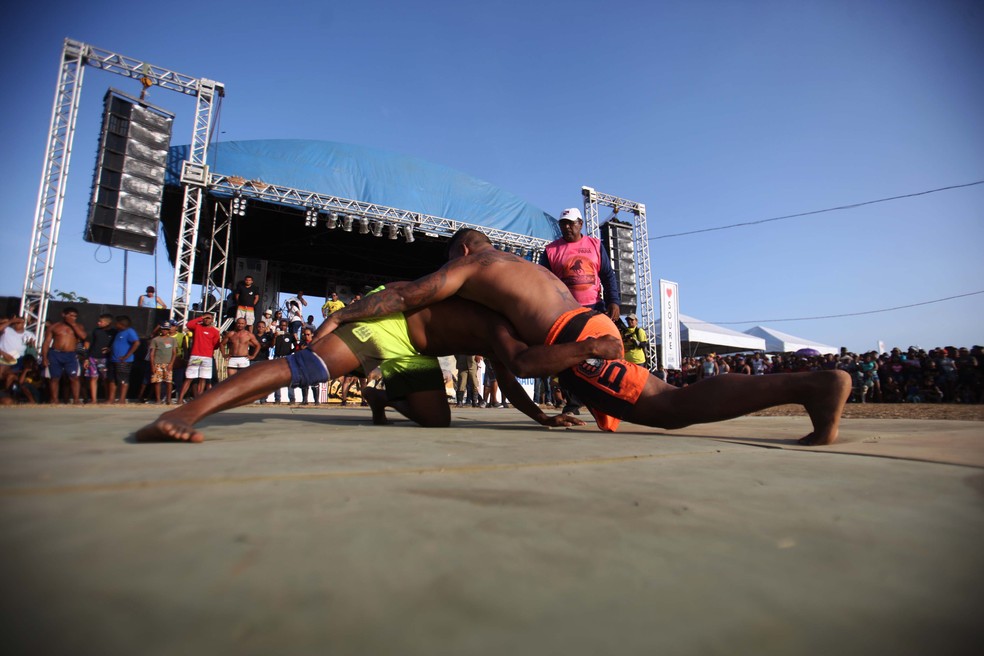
[(54, 177), (640, 237)]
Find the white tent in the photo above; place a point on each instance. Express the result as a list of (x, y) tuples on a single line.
[(700, 337), (780, 342)]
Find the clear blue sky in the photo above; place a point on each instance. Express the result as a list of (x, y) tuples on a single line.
[(710, 113)]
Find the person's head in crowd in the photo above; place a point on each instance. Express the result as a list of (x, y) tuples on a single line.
[(284, 324), (248, 281), (150, 290), (240, 324), (260, 327), (123, 322), (570, 223), (307, 335)]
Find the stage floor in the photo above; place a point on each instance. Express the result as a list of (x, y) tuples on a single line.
[(299, 530)]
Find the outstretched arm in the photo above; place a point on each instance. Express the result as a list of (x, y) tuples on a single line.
[(512, 390), (400, 297), (529, 361)]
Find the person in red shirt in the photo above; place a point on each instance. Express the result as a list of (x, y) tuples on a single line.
[(205, 339)]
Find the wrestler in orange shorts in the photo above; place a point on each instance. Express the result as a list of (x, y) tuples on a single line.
[(608, 387)]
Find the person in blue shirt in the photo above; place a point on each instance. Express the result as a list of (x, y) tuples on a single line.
[(124, 345)]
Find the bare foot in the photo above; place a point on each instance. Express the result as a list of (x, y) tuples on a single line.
[(826, 405), (377, 403), (169, 430), (607, 347)]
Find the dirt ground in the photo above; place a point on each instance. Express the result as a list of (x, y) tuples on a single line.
[(958, 411)]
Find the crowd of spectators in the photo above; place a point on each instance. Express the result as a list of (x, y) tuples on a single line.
[(120, 366), (940, 375)]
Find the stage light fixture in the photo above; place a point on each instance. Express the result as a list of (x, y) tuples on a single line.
[(347, 223), (238, 206), (393, 231), (408, 234), (332, 221), (377, 229), (363, 225), (311, 217)]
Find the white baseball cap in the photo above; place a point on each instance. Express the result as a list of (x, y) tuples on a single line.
[(570, 214)]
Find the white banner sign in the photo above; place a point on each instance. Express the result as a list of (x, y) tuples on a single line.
[(669, 320)]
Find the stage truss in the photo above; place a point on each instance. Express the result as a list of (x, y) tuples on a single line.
[(58, 153), (640, 238)]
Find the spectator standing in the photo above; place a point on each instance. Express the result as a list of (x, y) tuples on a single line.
[(182, 341), (125, 344), (246, 297), (205, 339), (295, 316), (59, 353), (332, 304), (284, 344), (97, 360), (709, 367), (151, 299), (634, 341), (583, 265), (241, 347), (14, 340), (163, 353), (307, 336), (467, 376)]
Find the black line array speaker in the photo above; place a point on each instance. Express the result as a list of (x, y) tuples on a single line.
[(128, 184), (618, 239)]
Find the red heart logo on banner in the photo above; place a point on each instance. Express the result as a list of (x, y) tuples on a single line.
[(669, 292)]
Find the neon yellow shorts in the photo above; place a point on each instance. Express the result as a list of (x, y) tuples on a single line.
[(385, 343)]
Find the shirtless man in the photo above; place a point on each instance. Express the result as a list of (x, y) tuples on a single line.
[(58, 353), (415, 385), (543, 311), (240, 346)]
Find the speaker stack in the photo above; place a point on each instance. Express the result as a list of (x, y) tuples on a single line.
[(128, 185)]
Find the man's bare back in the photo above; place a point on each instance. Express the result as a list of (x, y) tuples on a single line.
[(527, 294)]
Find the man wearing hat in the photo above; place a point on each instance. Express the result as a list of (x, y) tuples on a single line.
[(163, 351), (583, 265), (634, 341)]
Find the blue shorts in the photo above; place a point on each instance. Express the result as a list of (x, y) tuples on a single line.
[(60, 362)]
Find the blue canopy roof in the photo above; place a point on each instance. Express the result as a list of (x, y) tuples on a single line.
[(374, 176)]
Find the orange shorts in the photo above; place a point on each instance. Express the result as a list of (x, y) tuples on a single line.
[(608, 387)]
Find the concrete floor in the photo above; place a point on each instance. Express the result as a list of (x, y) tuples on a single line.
[(303, 531)]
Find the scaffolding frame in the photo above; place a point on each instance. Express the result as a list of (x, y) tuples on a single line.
[(213, 296), (640, 237), (58, 153)]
